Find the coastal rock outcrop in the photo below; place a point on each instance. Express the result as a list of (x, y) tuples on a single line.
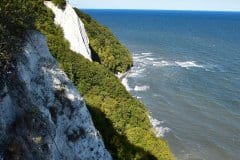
[(42, 115)]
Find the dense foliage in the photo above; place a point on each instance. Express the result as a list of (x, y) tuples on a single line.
[(112, 54), (60, 3), (121, 119), (15, 17)]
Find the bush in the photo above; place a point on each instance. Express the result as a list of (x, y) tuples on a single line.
[(60, 3), (16, 16)]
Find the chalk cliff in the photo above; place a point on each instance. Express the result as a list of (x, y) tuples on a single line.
[(42, 115), (73, 28)]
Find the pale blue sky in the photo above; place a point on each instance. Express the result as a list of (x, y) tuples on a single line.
[(210, 5)]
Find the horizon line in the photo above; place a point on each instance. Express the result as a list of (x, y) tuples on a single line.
[(136, 9)]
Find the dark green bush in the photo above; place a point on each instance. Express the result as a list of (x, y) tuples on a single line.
[(60, 3), (16, 16)]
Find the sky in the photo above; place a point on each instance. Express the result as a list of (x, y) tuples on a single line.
[(209, 5)]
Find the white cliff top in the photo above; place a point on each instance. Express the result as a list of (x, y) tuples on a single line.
[(73, 28)]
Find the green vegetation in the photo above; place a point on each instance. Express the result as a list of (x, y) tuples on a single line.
[(112, 54), (122, 120), (60, 3), (15, 17)]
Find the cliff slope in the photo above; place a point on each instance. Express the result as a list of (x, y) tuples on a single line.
[(42, 115), (37, 91), (73, 28)]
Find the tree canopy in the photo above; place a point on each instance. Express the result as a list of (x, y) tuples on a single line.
[(112, 54), (121, 119)]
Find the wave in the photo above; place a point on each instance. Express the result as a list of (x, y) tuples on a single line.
[(145, 59), (141, 88), (163, 63), (159, 130), (150, 59), (146, 53), (188, 64), (136, 72)]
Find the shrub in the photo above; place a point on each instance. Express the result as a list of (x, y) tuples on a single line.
[(16, 16), (60, 3)]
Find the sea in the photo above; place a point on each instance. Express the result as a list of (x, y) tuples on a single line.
[(187, 73)]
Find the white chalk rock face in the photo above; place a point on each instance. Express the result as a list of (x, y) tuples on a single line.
[(73, 28), (42, 112)]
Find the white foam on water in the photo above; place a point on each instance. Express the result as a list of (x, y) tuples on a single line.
[(159, 130), (141, 61), (150, 59), (141, 88), (188, 64), (136, 72), (163, 63), (146, 53)]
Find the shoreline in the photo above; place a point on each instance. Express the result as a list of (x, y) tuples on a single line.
[(121, 76), (159, 130)]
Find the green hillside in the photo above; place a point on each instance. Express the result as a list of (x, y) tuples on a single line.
[(109, 51), (121, 119)]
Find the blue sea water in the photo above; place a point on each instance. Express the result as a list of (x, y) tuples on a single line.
[(187, 72)]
